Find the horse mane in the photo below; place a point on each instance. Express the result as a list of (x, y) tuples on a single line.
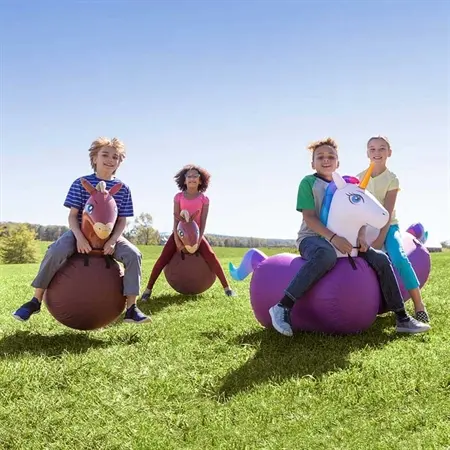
[(185, 214), (328, 197), (101, 186)]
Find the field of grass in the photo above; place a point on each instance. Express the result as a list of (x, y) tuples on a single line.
[(205, 375)]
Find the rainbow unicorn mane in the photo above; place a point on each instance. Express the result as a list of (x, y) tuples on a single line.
[(328, 198)]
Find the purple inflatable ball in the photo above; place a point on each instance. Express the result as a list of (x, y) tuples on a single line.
[(344, 301), (420, 259)]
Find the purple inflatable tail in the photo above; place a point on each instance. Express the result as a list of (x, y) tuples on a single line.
[(250, 261)]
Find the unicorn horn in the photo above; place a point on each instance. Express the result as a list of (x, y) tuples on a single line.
[(365, 180)]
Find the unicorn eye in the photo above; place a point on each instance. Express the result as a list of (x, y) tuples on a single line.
[(89, 208), (180, 233), (355, 198)]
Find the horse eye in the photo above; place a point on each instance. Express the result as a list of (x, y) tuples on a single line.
[(181, 233), (89, 208)]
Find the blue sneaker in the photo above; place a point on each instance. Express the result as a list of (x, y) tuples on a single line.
[(135, 315), (27, 309)]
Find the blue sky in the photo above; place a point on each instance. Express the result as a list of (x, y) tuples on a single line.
[(240, 88)]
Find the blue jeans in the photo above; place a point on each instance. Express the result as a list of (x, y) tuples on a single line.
[(394, 248), (321, 257)]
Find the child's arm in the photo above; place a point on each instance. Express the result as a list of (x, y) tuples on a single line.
[(119, 228), (314, 223), (82, 243), (203, 219), (176, 213), (389, 204)]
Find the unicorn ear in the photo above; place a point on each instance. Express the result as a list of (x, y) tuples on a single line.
[(340, 182)]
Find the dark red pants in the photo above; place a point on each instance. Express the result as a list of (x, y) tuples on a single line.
[(171, 248)]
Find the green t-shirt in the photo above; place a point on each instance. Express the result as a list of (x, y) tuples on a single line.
[(311, 192)]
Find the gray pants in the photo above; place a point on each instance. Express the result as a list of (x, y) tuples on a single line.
[(66, 246)]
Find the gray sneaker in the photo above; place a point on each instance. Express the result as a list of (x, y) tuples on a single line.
[(281, 320), (412, 326), (146, 295)]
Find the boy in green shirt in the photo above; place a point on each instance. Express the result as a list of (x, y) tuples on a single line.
[(315, 243)]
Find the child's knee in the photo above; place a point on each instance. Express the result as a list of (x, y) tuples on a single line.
[(132, 256), (327, 257)]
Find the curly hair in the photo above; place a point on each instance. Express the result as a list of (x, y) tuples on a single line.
[(180, 177), (316, 144)]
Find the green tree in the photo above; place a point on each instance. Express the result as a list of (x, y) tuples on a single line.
[(143, 232), (19, 247)]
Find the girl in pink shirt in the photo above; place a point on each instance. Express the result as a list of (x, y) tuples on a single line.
[(192, 182)]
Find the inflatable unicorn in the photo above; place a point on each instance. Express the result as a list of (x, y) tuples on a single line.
[(348, 298)]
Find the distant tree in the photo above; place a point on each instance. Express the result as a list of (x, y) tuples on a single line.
[(445, 244), (19, 247), (142, 231)]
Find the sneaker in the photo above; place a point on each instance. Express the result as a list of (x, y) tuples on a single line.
[(412, 326), (135, 315), (27, 309), (422, 316), (281, 319), (146, 295), (230, 293)]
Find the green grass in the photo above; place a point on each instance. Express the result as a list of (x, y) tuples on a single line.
[(205, 375)]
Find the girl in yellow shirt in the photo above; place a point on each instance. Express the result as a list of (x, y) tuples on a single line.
[(384, 185)]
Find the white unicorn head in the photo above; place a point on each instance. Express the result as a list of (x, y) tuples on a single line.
[(350, 207)]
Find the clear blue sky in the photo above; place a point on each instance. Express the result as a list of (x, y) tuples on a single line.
[(238, 87)]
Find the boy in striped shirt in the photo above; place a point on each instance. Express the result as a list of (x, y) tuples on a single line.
[(106, 156)]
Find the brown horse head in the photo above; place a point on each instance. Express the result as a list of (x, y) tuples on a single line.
[(188, 230), (99, 214)]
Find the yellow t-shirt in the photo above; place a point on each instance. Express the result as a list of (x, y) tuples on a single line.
[(380, 185)]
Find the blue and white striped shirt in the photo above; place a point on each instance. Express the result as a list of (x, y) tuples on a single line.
[(78, 196)]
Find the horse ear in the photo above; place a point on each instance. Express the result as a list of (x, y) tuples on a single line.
[(178, 217), (339, 181), (116, 188), (88, 186), (195, 215)]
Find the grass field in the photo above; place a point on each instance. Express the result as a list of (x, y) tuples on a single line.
[(205, 375)]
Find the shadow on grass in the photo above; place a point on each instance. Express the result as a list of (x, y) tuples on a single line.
[(25, 342), (158, 303), (309, 355)]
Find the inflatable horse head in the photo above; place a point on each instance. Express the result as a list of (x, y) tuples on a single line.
[(188, 231), (347, 207), (99, 214)]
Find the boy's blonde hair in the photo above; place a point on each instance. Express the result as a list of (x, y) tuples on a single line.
[(327, 141), (101, 142), (383, 138)]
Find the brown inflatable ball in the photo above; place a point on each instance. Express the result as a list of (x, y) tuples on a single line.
[(86, 293), (189, 275)]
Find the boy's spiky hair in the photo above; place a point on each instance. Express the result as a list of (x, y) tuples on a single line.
[(327, 141), (106, 142), (383, 138)]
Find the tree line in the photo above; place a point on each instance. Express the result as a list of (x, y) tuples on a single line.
[(142, 232)]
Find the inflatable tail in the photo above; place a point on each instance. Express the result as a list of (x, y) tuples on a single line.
[(250, 261)]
